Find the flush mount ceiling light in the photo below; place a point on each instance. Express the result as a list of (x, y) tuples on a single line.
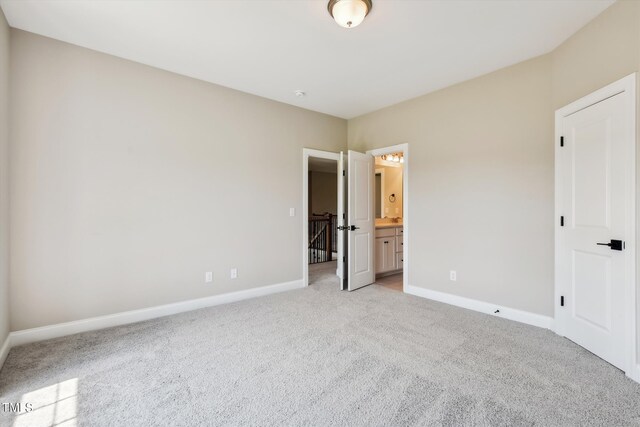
[(349, 13)]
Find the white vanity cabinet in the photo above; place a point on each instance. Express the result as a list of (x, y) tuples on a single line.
[(389, 244)]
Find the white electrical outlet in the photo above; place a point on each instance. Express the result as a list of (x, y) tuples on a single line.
[(208, 277), (292, 211), (453, 276), (234, 273)]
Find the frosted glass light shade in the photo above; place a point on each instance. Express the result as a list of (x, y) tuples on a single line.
[(349, 13)]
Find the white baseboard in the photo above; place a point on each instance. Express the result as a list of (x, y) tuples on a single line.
[(635, 375), (4, 350), (483, 307), (69, 328)]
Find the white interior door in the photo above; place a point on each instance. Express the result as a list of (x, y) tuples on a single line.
[(593, 256), (342, 222), (360, 220)]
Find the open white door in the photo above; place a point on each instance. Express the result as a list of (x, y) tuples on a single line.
[(342, 222), (595, 235), (360, 220)]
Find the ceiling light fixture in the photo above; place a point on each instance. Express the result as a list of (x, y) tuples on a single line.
[(349, 13)]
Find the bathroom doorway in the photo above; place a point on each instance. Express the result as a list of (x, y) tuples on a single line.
[(390, 217)]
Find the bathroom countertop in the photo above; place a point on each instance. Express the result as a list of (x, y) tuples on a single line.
[(388, 224)]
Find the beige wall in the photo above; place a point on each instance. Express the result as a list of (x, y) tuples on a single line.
[(4, 177), (481, 184), (605, 50), (323, 192), (482, 164), (129, 183)]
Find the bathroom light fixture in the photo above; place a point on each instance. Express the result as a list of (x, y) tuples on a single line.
[(395, 157), (349, 13)]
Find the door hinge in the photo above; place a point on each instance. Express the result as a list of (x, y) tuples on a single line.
[(562, 301), (344, 173), (562, 221), (562, 141)]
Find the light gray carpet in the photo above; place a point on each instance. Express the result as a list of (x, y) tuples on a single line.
[(318, 356)]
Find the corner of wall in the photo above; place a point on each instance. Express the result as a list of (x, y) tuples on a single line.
[(4, 187), (611, 38)]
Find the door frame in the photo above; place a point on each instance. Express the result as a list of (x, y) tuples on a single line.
[(382, 192), (404, 149), (306, 153), (626, 86)]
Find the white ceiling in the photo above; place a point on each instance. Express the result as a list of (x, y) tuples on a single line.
[(403, 49)]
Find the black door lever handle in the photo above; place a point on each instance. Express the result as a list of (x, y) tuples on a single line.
[(347, 227), (615, 245)]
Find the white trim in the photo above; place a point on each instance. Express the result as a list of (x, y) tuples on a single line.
[(521, 316), (398, 148), (306, 153), (635, 374), (381, 171), (404, 149), (625, 85), (69, 328), (4, 351)]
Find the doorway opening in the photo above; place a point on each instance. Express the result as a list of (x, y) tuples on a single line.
[(320, 217), (389, 227), (322, 209), (352, 231)]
